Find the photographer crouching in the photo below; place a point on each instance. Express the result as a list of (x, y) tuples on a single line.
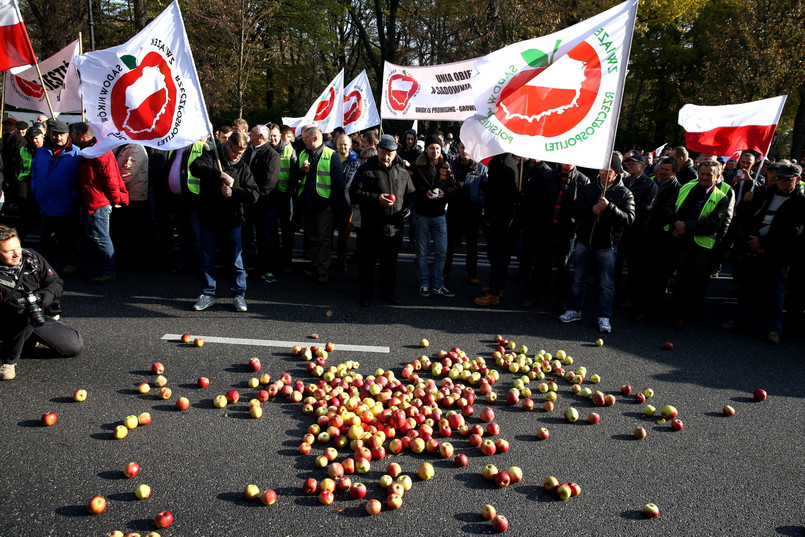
[(29, 293)]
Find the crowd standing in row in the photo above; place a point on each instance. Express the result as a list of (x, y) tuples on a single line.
[(239, 199)]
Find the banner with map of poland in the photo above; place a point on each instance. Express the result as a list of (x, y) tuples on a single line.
[(24, 89), (360, 111), (722, 130), (556, 97), (433, 92), (146, 90), (327, 112)]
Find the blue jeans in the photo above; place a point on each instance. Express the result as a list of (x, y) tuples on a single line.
[(585, 260), (97, 230), (228, 239), (431, 228)]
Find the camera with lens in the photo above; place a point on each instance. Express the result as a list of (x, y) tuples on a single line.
[(36, 315)]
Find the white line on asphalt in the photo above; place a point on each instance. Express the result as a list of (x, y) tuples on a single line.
[(274, 343)]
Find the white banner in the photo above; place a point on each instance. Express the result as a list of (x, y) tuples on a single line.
[(556, 97), (327, 112), (146, 90), (24, 90), (434, 92), (360, 111)]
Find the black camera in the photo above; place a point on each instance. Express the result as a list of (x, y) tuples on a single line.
[(36, 315)]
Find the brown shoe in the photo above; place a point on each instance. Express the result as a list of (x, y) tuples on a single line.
[(487, 300), (485, 291), (103, 278), (473, 280), (773, 338)]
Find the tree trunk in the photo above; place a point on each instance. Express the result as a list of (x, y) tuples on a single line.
[(798, 137), (140, 15), (487, 39)]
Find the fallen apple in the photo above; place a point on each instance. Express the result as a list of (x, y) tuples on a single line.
[(500, 523), (49, 418), (268, 497), (182, 403), (564, 492), (425, 471), (728, 411), (550, 484), (203, 382), (144, 418), (461, 459), (96, 505), (163, 519), (599, 342), (144, 387), (677, 425), (186, 338), (373, 506), (121, 431), (142, 491), (668, 346), (357, 491), (669, 412), (198, 342), (131, 470), (488, 512), (157, 368), (651, 510), (594, 418), (760, 395), (543, 433), (80, 395), (424, 343), (640, 432)]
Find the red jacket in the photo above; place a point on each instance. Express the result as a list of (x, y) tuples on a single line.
[(101, 183)]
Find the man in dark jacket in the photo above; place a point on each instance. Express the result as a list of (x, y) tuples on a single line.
[(284, 194), (549, 229), (385, 193), (500, 199), (464, 211), (602, 210), (768, 231), (320, 190), (220, 214), (264, 163), (28, 289), (644, 191), (434, 183)]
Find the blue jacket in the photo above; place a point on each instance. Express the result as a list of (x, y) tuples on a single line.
[(54, 181), (471, 178)]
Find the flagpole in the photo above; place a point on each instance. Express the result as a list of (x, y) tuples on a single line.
[(47, 97), (3, 105), (80, 52)]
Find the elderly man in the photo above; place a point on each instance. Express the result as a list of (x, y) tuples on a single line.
[(29, 288), (53, 184), (603, 208), (265, 164), (321, 189), (434, 183), (350, 162), (384, 191), (220, 214), (103, 188)]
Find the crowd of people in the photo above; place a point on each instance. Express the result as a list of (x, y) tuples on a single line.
[(236, 200)]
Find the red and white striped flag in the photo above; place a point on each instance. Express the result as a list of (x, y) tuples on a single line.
[(722, 130), (18, 50)]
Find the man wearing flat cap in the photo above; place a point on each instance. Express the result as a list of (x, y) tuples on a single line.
[(55, 187), (602, 209)]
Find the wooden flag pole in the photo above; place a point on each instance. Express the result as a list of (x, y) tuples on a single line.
[(3, 105), (81, 51), (45, 89)]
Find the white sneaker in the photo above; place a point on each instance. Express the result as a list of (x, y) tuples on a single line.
[(569, 316), (603, 325), (8, 371)]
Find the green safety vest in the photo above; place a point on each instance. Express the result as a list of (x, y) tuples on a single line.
[(705, 241), (193, 182), (26, 157), (285, 168), (323, 187)]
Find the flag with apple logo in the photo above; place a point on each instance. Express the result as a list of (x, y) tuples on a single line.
[(555, 97), (146, 90), (432, 92), (360, 111), (24, 89), (327, 112)]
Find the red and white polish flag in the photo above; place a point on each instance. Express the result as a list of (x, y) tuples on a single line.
[(722, 130), (17, 50)]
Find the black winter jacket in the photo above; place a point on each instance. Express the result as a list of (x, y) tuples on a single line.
[(602, 232), (373, 179), (214, 210)]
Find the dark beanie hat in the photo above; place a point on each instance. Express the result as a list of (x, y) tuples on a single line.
[(616, 163), (432, 139)]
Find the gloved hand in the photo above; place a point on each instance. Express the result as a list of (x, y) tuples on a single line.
[(13, 305)]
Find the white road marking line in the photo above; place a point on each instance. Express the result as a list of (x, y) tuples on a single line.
[(274, 343)]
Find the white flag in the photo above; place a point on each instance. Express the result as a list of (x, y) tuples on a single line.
[(146, 90), (327, 112), (555, 97), (24, 90), (360, 111)]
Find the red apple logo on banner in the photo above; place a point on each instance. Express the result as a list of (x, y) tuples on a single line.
[(31, 89), (325, 107), (353, 103), (143, 101), (401, 89), (551, 107)]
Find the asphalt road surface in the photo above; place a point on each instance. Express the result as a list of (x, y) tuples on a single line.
[(739, 475)]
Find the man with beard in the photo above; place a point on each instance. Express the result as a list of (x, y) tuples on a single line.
[(220, 214), (385, 192), (53, 184)]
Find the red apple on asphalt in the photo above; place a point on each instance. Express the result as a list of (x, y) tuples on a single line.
[(669, 412), (329, 346), (639, 398), (500, 523), (163, 519), (268, 497), (144, 387), (357, 491), (515, 473), (548, 406), (668, 346), (593, 418), (96, 505), (49, 418), (575, 489), (488, 512), (310, 486), (502, 479), (198, 342), (183, 403), (598, 399), (373, 506), (501, 445), (165, 393), (446, 450), (488, 447), (492, 429), (677, 425), (487, 414), (157, 368), (651, 510), (144, 418), (640, 433), (326, 497), (543, 433), (626, 389), (232, 396), (550, 484), (186, 338), (203, 382), (760, 395), (489, 472), (528, 404), (80, 395), (131, 469), (461, 459), (254, 365)]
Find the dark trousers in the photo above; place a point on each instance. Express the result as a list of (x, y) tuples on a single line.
[(267, 224), (319, 237), (60, 232), (463, 223), (552, 248), (16, 330), (288, 224), (499, 245), (374, 247)]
